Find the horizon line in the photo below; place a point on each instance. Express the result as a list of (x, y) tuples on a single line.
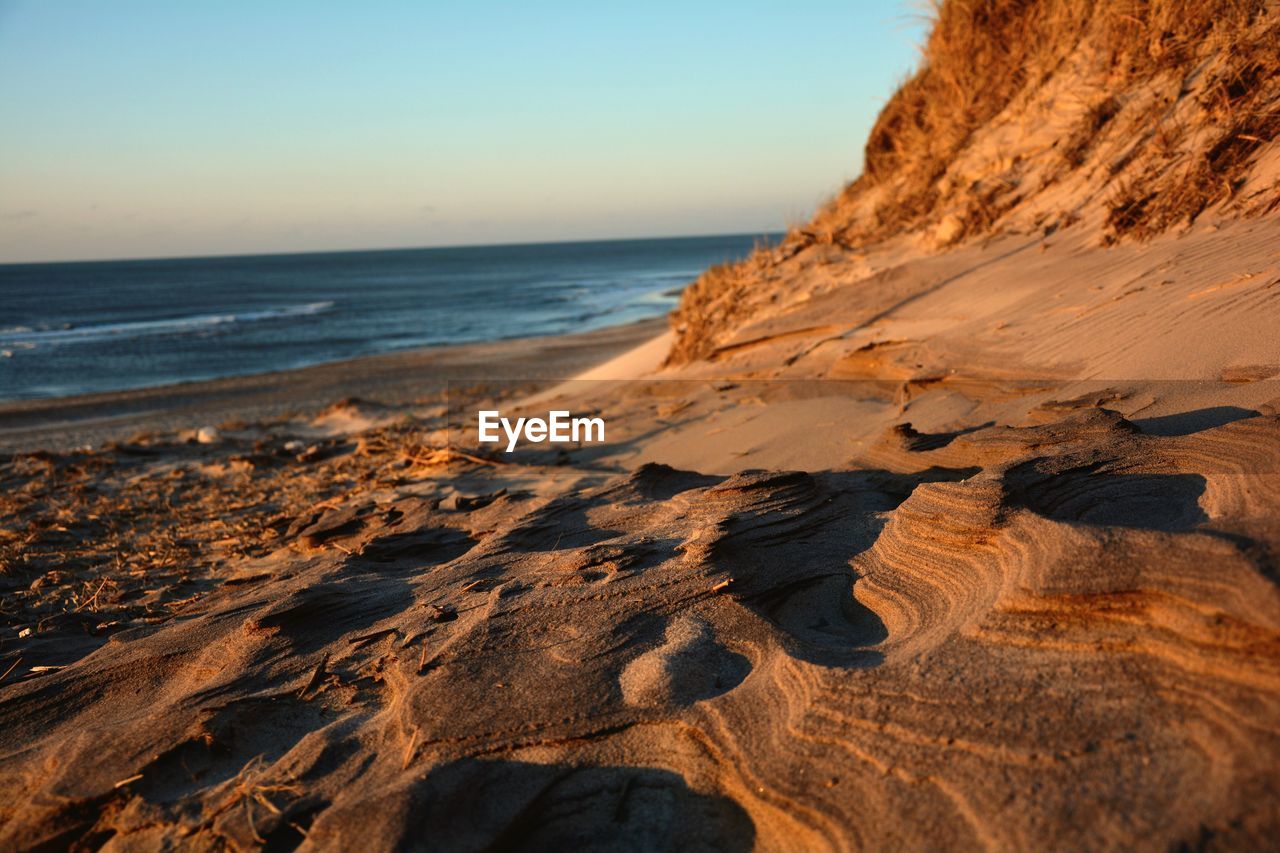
[(366, 249)]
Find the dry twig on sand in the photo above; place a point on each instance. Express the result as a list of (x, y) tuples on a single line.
[(248, 790), (316, 677), (408, 752), (11, 668), (434, 457)]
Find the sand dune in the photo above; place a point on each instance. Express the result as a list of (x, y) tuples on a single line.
[(912, 543), (1012, 597)]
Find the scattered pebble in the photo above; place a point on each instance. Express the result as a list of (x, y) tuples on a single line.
[(447, 613), (208, 435)]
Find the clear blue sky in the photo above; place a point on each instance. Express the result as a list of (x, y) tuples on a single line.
[(137, 128)]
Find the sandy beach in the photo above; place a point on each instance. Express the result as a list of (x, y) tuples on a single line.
[(950, 521), (859, 564), (395, 378)]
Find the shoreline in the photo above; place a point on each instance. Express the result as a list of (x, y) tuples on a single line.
[(403, 376)]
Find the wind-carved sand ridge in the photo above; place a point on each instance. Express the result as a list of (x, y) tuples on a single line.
[(1002, 612), (969, 545)]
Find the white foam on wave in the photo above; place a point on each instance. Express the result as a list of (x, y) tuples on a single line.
[(21, 335)]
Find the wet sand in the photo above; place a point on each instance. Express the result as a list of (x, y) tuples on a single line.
[(395, 378)]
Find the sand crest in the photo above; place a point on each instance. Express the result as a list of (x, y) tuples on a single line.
[(953, 521)]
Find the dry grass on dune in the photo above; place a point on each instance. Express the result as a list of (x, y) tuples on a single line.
[(1179, 98), (983, 54)]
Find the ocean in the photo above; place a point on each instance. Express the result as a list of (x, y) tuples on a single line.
[(75, 328)]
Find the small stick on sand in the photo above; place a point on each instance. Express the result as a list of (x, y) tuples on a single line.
[(124, 782), (416, 637), (366, 639), (11, 668), (723, 585), (480, 460), (408, 753), (92, 599), (316, 677), (445, 455)]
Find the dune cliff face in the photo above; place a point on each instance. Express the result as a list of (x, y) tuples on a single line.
[(1123, 119)]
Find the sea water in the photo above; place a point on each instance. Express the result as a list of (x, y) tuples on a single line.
[(73, 328)]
